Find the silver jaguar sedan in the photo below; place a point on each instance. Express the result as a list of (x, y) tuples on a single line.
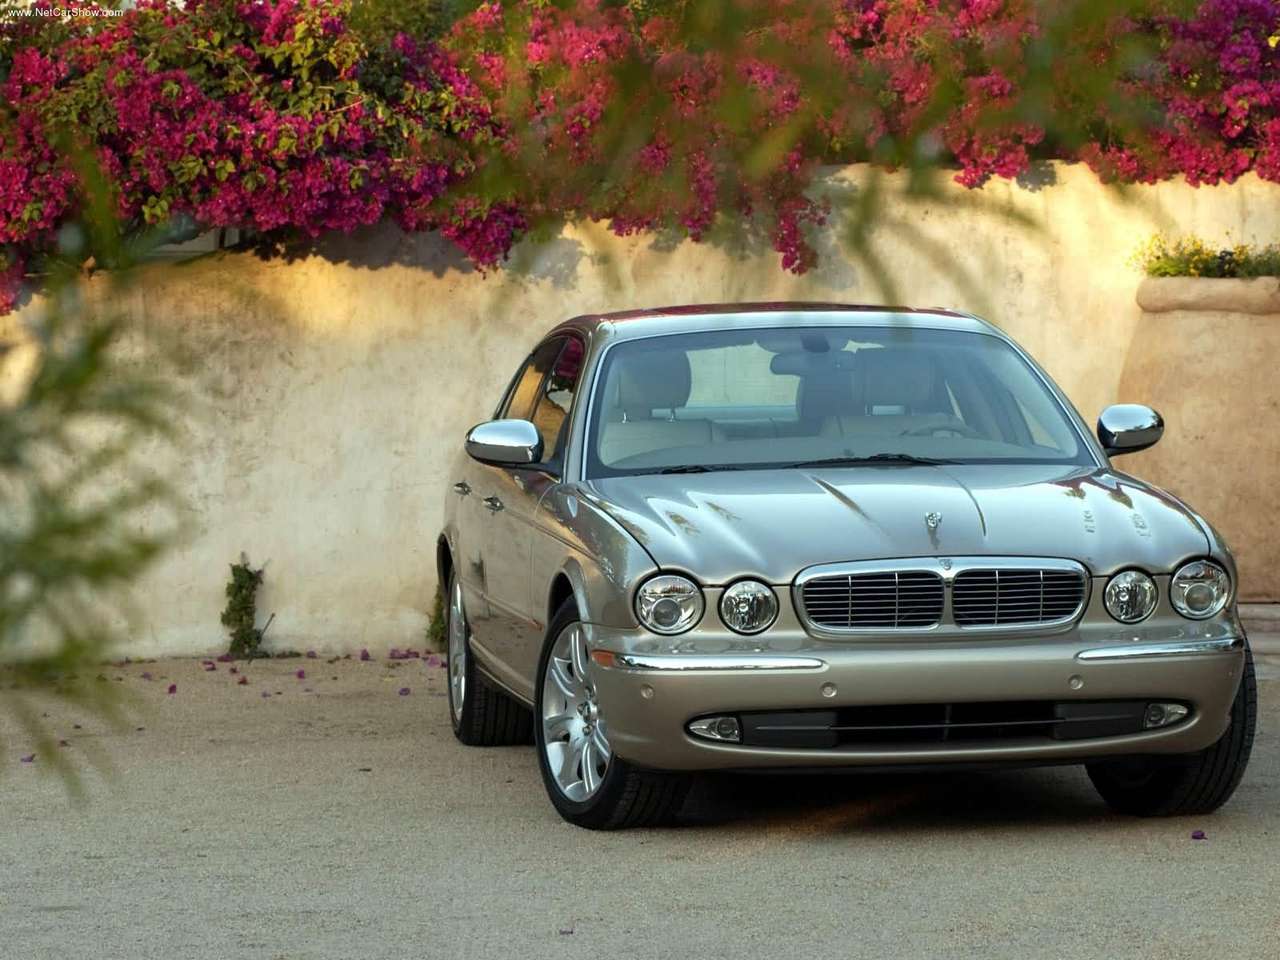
[(800, 536)]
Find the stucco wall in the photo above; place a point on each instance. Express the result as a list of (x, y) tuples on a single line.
[(329, 394), (1210, 367)]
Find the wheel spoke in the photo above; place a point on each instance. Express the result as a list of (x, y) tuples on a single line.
[(590, 777), (600, 742), (567, 684), (578, 651), (569, 763)]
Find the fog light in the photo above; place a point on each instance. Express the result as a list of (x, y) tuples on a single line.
[(717, 728), (748, 606), (1164, 714)]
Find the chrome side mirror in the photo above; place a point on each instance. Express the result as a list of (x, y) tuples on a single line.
[(505, 443), (1128, 428)]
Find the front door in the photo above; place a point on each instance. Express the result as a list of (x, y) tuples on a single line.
[(508, 503)]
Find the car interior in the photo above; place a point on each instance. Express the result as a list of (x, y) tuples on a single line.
[(726, 400)]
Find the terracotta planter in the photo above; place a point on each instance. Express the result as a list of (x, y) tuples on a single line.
[(1214, 373)]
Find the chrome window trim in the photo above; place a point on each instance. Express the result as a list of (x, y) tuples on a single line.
[(948, 568)]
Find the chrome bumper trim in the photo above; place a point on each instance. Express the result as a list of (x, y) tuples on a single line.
[(676, 662), (1176, 648)]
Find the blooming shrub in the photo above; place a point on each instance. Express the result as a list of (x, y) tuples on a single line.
[(250, 114), (1193, 257), (677, 117)]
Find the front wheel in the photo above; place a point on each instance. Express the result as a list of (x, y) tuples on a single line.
[(588, 785), (1198, 783)]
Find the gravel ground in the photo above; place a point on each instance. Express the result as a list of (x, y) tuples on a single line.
[(339, 819)]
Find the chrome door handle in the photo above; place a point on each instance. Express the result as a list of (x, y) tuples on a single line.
[(493, 503), (462, 487)]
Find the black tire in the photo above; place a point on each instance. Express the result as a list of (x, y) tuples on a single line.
[(628, 796), (488, 717), (1197, 783)]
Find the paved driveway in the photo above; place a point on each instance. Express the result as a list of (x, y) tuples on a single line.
[(338, 819)]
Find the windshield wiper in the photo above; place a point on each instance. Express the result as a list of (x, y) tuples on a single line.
[(904, 458), (701, 468)]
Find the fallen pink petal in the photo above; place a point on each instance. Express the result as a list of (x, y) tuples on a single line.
[(434, 661), (1198, 835), (364, 655), (225, 658), (242, 681), (210, 666), (29, 758), (173, 688), (395, 654), (301, 674), (404, 691), (311, 654), (233, 670), (63, 743)]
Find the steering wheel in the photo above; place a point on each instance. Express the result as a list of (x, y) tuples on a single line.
[(959, 429)]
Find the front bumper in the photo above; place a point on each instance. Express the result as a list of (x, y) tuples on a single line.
[(647, 699)]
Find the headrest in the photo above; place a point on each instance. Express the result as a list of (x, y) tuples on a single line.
[(652, 380), (897, 377)]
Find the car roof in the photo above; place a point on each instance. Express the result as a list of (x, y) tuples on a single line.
[(694, 318)]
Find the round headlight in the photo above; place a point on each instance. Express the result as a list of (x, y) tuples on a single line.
[(669, 603), (748, 606), (1199, 589), (1130, 596)]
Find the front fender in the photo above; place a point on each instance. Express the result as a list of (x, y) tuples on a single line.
[(601, 560)]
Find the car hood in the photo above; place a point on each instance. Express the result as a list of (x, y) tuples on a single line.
[(774, 523)]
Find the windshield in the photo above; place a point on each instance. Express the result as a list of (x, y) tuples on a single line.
[(797, 396)]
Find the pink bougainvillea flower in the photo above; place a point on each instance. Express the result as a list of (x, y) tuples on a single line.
[(29, 758), (404, 691), (301, 674), (1198, 835), (434, 661), (173, 688), (225, 658), (395, 654), (242, 681), (209, 667), (364, 655)]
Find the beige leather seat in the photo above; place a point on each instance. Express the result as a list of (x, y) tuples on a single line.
[(897, 396), (641, 384)]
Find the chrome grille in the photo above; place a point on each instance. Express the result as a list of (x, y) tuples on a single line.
[(907, 598), (989, 598)]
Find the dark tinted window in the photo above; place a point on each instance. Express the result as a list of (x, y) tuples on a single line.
[(556, 397), (525, 390)]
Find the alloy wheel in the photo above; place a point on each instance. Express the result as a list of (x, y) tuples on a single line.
[(574, 737)]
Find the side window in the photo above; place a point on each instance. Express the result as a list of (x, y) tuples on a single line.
[(556, 398), (523, 395)]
